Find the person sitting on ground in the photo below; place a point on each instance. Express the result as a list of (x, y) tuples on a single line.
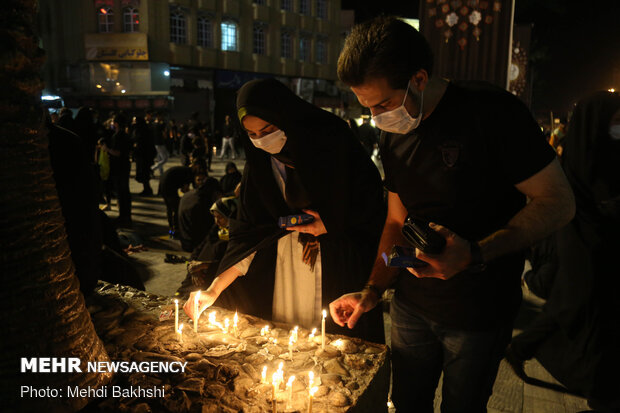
[(230, 180), (206, 257), (194, 218)]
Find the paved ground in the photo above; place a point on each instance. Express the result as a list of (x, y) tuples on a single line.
[(510, 394)]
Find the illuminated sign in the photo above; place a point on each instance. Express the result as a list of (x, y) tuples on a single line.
[(116, 46)]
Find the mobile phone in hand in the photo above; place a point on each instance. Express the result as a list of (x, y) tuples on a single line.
[(403, 257), (294, 220)]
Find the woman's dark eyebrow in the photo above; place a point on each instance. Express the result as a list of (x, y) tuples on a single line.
[(262, 129)]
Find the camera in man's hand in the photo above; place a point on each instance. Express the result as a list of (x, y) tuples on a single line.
[(423, 237)]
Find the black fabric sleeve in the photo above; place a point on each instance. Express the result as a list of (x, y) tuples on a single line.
[(519, 146)]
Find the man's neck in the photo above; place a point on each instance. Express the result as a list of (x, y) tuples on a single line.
[(433, 92)]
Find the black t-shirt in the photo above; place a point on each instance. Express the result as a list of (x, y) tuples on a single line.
[(458, 169), (157, 129)]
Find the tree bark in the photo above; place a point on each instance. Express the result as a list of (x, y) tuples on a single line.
[(41, 307)]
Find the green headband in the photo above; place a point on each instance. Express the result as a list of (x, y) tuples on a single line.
[(241, 113)]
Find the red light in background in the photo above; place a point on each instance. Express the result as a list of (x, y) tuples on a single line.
[(103, 11)]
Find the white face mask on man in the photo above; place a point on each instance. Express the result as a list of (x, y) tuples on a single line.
[(399, 120), (272, 142)]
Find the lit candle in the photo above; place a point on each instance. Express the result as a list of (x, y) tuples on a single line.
[(176, 315), (196, 315), (180, 333), (323, 330), (275, 383), (310, 395), (226, 325), (310, 379), (289, 387), (295, 334), (311, 336), (235, 321), (290, 347), (264, 375)]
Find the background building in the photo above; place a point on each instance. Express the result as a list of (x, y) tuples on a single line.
[(187, 55)]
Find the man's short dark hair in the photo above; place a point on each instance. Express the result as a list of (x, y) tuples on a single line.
[(384, 47)]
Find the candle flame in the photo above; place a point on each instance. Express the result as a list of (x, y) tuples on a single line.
[(176, 301), (313, 390), (264, 375), (324, 314), (290, 381), (180, 328), (310, 378), (235, 319)]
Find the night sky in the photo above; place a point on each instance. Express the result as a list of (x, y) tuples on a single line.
[(576, 44)]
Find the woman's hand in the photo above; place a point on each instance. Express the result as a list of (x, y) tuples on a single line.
[(315, 228), (206, 300)]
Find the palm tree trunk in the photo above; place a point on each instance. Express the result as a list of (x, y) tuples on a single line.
[(42, 311)]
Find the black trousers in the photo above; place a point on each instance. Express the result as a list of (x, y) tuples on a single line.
[(172, 209), (121, 185)]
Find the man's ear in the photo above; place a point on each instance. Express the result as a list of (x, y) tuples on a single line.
[(419, 79)]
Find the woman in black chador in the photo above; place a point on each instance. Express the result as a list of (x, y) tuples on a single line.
[(300, 159), (577, 336)]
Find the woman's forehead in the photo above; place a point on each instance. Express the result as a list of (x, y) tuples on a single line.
[(254, 123)]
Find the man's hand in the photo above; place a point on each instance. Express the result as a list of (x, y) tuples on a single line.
[(206, 300), (315, 228), (455, 257), (349, 308)]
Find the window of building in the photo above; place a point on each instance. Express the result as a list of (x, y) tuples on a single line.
[(321, 50), (321, 9), (205, 32), (105, 16), (287, 44), (287, 5), (259, 39), (131, 20), (229, 35), (304, 49), (178, 27), (304, 7)]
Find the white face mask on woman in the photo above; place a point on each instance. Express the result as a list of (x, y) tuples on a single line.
[(399, 120), (272, 142)]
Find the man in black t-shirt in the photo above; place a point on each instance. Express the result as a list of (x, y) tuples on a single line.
[(462, 157), (120, 167)]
